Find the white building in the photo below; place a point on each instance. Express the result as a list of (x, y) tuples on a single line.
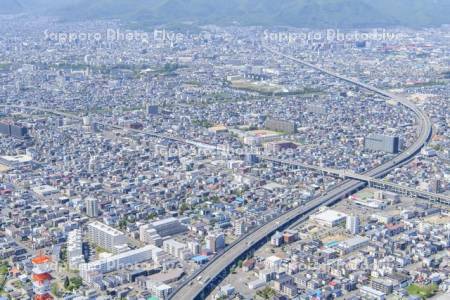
[(93, 270), (106, 237), (177, 249), (194, 247), (239, 228), (353, 244), (160, 290), (273, 262), (152, 233), (353, 224), (215, 241), (75, 255), (372, 293), (329, 218)]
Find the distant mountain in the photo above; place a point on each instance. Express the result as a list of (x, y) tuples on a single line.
[(10, 7), (298, 13)]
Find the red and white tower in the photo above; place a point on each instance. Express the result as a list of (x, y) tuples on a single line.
[(41, 277)]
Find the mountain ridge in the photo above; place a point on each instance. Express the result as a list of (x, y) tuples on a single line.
[(296, 13)]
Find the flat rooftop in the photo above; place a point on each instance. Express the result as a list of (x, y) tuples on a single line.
[(103, 227)]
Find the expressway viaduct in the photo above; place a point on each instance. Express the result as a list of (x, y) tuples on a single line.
[(201, 283)]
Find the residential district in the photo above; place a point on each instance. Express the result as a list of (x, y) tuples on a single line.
[(130, 161)]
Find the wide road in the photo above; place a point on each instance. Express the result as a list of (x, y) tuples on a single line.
[(193, 289)]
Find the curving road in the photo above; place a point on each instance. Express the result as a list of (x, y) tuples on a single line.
[(194, 289)]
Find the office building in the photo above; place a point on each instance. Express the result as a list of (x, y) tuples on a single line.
[(106, 237), (384, 143)]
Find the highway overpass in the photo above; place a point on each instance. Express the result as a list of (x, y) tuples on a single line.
[(217, 268)]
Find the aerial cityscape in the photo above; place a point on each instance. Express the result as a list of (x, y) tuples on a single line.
[(223, 160)]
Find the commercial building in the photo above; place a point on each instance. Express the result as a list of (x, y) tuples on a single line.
[(258, 137), (329, 218), (106, 237), (380, 142)]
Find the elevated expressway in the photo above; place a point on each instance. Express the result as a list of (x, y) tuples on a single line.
[(371, 181), (199, 284)]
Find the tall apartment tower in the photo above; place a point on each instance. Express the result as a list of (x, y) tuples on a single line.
[(353, 224), (92, 207)]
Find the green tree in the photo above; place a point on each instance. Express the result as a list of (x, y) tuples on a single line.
[(183, 208), (55, 290), (66, 283), (76, 282), (240, 264), (152, 215), (123, 224)]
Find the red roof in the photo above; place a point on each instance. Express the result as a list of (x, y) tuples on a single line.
[(40, 260), (41, 277), (43, 297)]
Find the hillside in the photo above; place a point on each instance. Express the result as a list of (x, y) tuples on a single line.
[(10, 7), (298, 13)]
